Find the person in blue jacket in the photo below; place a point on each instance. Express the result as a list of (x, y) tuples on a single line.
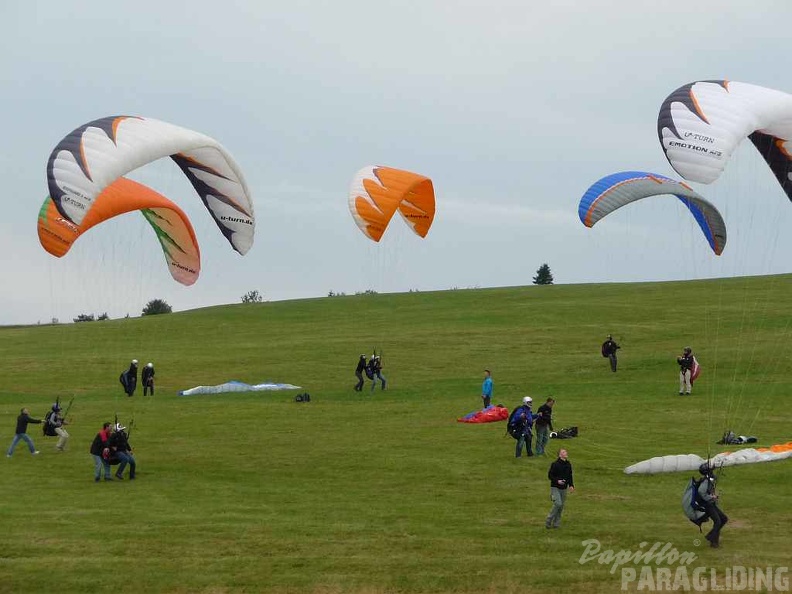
[(520, 426), (486, 389)]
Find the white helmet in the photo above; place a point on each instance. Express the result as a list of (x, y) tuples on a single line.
[(527, 400), (149, 364), (119, 427), (134, 361)]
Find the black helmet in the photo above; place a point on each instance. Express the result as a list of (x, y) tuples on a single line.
[(706, 470)]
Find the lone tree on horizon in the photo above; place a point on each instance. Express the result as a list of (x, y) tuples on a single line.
[(157, 306), (543, 276)]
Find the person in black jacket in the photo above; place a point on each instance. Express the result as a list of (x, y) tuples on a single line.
[(21, 432), (609, 348), (708, 497), (119, 445), (100, 450), (359, 371), (560, 475), (147, 377), (128, 378), (544, 425)]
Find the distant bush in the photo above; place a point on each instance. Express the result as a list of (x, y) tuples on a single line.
[(334, 294), (155, 307), (252, 297), (84, 318), (366, 292)]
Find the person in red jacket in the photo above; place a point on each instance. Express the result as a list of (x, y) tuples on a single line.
[(100, 451)]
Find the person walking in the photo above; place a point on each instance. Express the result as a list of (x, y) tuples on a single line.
[(56, 421), (359, 371), (609, 348), (100, 451), (544, 425), (23, 420), (561, 482), (486, 389), (376, 370), (685, 361), (147, 377), (708, 497)]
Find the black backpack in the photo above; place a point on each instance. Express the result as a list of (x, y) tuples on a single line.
[(47, 427)]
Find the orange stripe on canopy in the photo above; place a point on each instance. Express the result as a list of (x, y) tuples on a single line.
[(170, 223)]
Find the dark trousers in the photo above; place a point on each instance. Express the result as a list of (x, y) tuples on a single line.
[(524, 440), (719, 520), (612, 358), (148, 385), (359, 384)]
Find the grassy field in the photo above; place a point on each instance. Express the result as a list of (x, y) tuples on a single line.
[(371, 493)]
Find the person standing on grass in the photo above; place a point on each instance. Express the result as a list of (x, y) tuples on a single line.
[(100, 451), (359, 371), (544, 425), (486, 389), (147, 377), (520, 425), (609, 348), (128, 378), (685, 361), (23, 420), (560, 475)]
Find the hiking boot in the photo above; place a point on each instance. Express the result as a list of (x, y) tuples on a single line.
[(119, 477), (96, 479), (35, 453), (107, 478)]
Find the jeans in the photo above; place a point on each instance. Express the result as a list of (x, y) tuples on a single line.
[(21, 437), (542, 435), (612, 358), (378, 374), (126, 458), (359, 384), (558, 497), (524, 439), (487, 400), (99, 462)]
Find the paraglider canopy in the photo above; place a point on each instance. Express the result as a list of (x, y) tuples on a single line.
[(377, 193)]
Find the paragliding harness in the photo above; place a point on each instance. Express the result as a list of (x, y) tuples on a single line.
[(691, 503), (48, 428), (515, 426)]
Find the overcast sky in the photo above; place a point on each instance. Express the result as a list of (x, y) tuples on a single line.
[(512, 108)]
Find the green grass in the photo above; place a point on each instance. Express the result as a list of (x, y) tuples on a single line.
[(388, 493)]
